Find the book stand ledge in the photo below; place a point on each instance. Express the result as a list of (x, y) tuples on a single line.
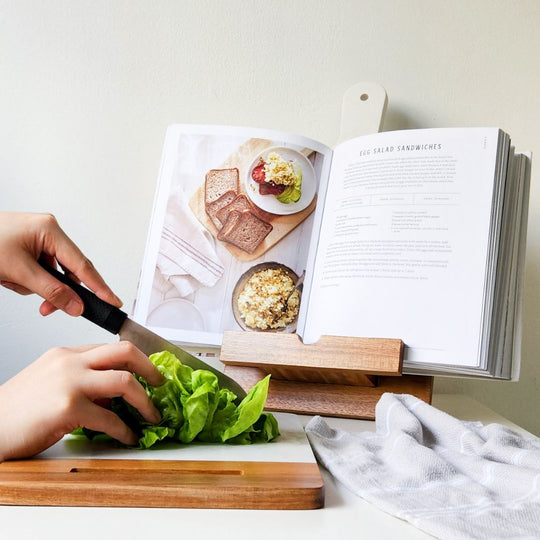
[(337, 376)]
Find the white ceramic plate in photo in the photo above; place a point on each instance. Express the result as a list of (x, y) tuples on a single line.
[(269, 203)]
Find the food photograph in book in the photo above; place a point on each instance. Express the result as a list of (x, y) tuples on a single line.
[(234, 229)]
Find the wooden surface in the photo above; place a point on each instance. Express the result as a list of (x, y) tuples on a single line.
[(333, 359), (339, 400), (161, 484), (337, 376), (282, 225)]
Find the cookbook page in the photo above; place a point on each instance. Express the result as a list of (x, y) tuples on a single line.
[(230, 231), (404, 241)]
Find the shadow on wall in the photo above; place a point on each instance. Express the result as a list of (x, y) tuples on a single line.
[(395, 119)]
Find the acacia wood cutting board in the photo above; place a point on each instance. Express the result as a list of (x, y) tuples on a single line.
[(75, 472), (282, 225)]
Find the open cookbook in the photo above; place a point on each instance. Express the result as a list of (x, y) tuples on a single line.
[(417, 234)]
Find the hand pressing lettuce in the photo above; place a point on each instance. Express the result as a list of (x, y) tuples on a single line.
[(193, 407)]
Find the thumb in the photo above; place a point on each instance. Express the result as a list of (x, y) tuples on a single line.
[(35, 278)]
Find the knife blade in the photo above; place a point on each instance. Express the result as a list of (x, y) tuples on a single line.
[(116, 321), (149, 343)]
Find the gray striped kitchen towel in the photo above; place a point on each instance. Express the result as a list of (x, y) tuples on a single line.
[(452, 479), (187, 257)]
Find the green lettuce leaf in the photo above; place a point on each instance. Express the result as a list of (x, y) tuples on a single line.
[(248, 412), (153, 434), (199, 407), (194, 408)]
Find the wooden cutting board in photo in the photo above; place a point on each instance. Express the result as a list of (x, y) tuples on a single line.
[(222, 205)]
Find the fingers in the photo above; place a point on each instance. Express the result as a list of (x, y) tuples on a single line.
[(112, 366), (100, 384), (29, 237), (58, 244), (15, 287), (97, 418), (60, 296), (124, 356), (46, 308), (84, 348), (109, 374)]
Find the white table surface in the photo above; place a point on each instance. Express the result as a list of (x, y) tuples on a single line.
[(344, 514)]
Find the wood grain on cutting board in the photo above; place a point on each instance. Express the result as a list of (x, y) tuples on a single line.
[(282, 225), (162, 484)]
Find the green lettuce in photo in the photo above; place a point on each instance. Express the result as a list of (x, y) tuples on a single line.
[(194, 408)]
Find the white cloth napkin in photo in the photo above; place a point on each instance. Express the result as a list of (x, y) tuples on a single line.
[(187, 257), (450, 478)]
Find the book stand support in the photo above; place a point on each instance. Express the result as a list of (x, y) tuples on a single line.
[(337, 376)]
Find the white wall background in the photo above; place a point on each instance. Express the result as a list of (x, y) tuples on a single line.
[(87, 89)]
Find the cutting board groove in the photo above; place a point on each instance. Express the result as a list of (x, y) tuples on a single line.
[(161, 484)]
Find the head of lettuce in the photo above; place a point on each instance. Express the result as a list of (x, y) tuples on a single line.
[(193, 407)]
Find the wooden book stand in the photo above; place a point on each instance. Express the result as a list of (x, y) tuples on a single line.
[(337, 376)]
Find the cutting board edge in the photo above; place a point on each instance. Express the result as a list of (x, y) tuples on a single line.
[(259, 485)]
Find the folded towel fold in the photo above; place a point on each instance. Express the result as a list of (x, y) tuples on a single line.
[(186, 256), (450, 478)]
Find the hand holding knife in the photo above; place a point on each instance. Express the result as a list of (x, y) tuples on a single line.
[(117, 322)]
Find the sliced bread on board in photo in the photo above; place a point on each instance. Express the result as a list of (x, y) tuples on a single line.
[(213, 208), (244, 230), (218, 182)]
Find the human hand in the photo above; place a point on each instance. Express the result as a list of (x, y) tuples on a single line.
[(24, 238), (58, 393)]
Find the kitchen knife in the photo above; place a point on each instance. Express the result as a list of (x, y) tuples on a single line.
[(116, 321)]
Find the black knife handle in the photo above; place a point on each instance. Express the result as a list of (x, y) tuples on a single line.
[(96, 310)]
